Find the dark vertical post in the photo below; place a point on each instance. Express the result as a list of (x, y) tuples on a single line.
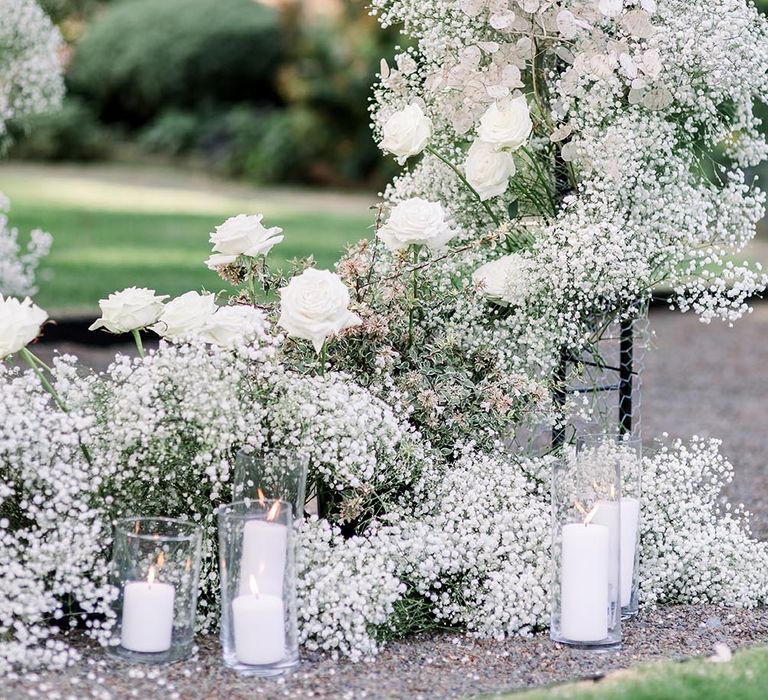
[(559, 396), (625, 376)]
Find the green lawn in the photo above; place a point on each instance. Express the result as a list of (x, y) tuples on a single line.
[(743, 678), (116, 227)]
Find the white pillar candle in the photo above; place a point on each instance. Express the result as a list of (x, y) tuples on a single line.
[(623, 543), (264, 548), (584, 582), (607, 513), (259, 629), (147, 623), (630, 522)]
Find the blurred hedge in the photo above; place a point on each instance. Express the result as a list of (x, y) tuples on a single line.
[(72, 133), (143, 56), (235, 86)]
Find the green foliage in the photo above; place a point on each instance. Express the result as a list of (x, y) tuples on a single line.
[(143, 56), (744, 678), (72, 133), (285, 145), (244, 90), (172, 133), (63, 10), (329, 75), (113, 232)]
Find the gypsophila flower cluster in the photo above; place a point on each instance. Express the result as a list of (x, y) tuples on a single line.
[(32, 82), (17, 266), (563, 158), (30, 62), (617, 185), (693, 542), (347, 587), (476, 542), (53, 524)]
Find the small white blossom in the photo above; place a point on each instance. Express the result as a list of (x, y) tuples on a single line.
[(185, 316), (242, 235), (406, 133), (488, 170), (129, 310), (416, 222), (315, 305), (506, 126), (20, 323), (230, 324)]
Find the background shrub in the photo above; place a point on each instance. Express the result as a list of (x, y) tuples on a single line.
[(141, 57), (172, 133), (72, 133), (234, 86)]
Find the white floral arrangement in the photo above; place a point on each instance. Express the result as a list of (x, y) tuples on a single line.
[(561, 175), (18, 265), (32, 82)]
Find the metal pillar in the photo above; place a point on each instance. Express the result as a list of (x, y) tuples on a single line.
[(624, 386)]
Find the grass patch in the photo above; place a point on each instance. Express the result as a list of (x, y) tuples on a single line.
[(113, 234), (743, 678)]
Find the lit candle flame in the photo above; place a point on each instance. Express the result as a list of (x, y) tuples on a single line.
[(262, 500), (151, 575), (137, 527), (274, 511), (587, 515), (161, 560), (254, 586)]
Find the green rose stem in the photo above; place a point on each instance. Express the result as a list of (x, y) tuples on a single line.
[(139, 344), (323, 356), (464, 180), (37, 366), (412, 309), (252, 287)]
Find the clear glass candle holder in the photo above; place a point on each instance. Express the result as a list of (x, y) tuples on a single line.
[(155, 567), (630, 454), (259, 634), (586, 498), (272, 474)]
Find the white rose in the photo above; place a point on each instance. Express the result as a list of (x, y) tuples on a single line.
[(129, 310), (244, 235), (217, 260), (488, 170), (185, 315), (406, 133), (507, 126), (416, 222), (504, 280), (232, 323), (315, 305), (20, 323)]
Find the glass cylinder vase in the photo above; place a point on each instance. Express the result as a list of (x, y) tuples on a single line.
[(155, 567), (271, 474), (586, 496), (630, 454), (259, 634)]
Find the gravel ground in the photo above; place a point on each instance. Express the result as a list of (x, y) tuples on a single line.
[(705, 380), (437, 667)]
